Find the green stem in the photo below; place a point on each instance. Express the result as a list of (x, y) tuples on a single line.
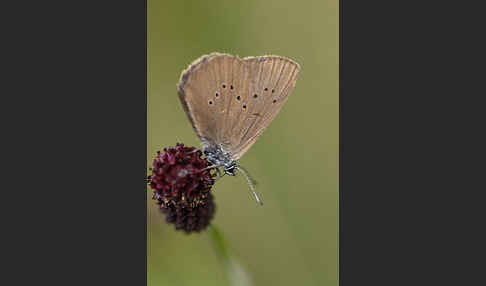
[(237, 275)]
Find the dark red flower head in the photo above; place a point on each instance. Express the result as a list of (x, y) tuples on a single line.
[(181, 185), (190, 219), (179, 177)]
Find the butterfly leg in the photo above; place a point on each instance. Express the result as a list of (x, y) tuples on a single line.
[(220, 175), (216, 167), (211, 167)]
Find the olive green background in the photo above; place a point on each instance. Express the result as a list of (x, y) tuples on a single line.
[(293, 238)]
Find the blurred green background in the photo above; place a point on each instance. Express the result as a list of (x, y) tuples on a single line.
[(293, 238)]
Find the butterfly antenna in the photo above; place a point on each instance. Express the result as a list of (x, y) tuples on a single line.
[(251, 183)]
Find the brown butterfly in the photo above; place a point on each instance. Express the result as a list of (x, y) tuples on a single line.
[(230, 101)]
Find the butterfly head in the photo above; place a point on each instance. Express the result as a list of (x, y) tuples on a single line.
[(219, 158), (231, 168)]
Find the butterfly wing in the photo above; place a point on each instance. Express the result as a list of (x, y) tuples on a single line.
[(230, 101), (205, 90), (273, 79)]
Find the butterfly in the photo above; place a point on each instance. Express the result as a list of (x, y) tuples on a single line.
[(230, 101)]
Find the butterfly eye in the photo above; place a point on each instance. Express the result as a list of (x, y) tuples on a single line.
[(274, 100), (273, 90), (255, 95), (224, 85), (210, 102), (266, 89), (238, 97), (231, 87), (217, 94), (244, 106)]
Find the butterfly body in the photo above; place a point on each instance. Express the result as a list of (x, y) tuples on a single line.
[(218, 157)]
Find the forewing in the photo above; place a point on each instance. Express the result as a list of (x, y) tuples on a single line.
[(204, 89)]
